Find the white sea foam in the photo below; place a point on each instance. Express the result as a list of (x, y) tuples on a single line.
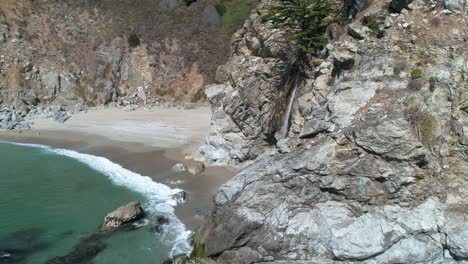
[(161, 199)]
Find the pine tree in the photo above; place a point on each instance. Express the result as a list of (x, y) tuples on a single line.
[(305, 22)]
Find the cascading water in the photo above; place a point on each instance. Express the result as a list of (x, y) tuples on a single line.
[(287, 115)]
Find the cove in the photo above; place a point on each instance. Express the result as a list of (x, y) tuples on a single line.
[(51, 199)]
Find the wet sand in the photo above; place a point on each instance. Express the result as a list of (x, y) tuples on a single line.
[(143, 155)]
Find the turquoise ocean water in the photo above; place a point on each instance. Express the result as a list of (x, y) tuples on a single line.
[(52, 199)]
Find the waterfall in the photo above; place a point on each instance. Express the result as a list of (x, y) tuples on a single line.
[(285, 127)]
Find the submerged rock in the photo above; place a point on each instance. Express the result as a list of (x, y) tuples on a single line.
[(86, 250), (10, 256), (123, 215), (162, 220)]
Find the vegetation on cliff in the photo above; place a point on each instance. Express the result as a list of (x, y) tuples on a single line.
[(305, 21)]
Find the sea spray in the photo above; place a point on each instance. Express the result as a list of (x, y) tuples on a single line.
[(161, 199)]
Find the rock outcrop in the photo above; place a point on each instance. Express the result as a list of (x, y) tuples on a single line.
[(122, 216), (249, 96), (78, 52), (374, 168)]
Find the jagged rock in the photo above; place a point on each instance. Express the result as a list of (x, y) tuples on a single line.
[(313, 127), (61, 117), (344, 56), (393, 139), (179, 197), (456, 229), (417, 4), (348, 98), (455, 6), (357, 31), (121, 216), (388, 22)]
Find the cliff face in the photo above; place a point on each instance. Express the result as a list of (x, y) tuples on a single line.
[(249, 96), (375, 165), (77, 52)]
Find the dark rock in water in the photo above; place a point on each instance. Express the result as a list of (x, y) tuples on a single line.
[(162, 220), (8, 256), (86, 250), (138, 224), (180, 197), (122, 216), (181, 259), (18, 245)]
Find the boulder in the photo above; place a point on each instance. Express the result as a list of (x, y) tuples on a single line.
[(179, 167), (196, 167), (357, 31), (122, 216), (61, 117)]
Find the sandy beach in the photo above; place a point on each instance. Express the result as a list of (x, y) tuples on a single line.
[(148, 142)]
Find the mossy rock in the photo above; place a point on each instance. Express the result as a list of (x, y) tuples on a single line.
[(198, 248)]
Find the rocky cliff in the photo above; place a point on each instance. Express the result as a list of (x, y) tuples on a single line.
[(83, 53), (374, 167)]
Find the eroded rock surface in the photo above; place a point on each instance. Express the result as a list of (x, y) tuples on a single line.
[(375, 165)]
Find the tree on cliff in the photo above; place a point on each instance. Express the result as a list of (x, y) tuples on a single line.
[(305, 23)]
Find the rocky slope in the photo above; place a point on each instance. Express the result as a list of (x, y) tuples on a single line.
[(76, 54), (374, 168)]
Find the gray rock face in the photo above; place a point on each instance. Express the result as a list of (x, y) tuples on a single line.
[(121, 216), (168, 4), (374, 167), (248, 101), (456, 6), (211, 16)]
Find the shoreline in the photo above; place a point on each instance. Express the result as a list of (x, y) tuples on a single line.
[(153, 160)]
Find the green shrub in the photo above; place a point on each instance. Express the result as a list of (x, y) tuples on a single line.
[(372, 22), (432, 83), (221, 8), (305, 22), (197, 96), (133, 40), (317, 63), (416, 74), (234, 13)]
